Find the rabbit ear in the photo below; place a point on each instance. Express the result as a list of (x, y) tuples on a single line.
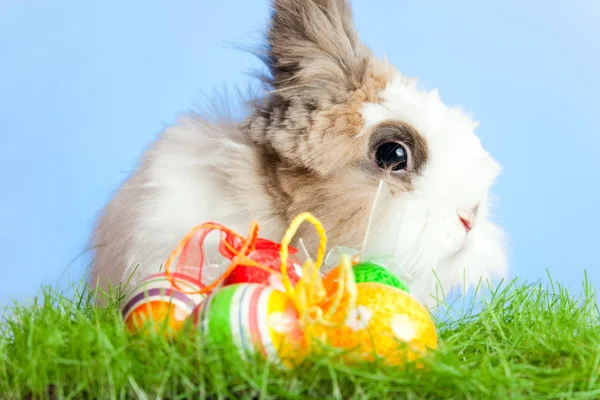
[(314, 51)]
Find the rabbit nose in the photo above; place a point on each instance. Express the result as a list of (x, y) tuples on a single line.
[(466, 219)]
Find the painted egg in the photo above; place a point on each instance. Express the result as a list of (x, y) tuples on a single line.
[(266, 253), (252, 318), (365, 272), (157, 301), (386, 321)]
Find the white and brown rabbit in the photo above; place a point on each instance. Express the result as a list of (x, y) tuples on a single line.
[(334, 122)]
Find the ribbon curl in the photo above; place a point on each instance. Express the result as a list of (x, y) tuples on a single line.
[(309, 295), (240, 256)]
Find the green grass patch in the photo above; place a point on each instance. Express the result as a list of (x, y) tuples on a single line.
[(528, 341)]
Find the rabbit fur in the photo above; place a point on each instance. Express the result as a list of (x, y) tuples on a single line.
[(308, 145)]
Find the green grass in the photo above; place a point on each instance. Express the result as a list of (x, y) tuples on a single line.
[(529, 341)]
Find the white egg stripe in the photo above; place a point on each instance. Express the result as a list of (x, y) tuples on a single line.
[(142, 299), (164, 298), (167, 299), (158, 283), (236, 310), (263, 325), (197, 298), (143, 296), (244, 317)]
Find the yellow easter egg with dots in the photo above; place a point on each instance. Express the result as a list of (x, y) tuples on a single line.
[(382, 320)]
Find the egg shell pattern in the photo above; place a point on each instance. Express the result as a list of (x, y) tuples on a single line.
[(364, 272), (384, 318), (370, 272), (155, 299), (252, 317), (268, 257)]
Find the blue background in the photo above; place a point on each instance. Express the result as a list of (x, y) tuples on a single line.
[(86, 85)]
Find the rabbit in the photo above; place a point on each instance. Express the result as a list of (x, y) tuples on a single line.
[(333, 123)]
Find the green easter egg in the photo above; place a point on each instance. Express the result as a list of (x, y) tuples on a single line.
[(252, 318), (370, 272)]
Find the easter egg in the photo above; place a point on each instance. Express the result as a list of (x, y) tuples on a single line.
[(365, 272), (386, 321), (158, 302), (266, 253), (370, 272), (252, 318)]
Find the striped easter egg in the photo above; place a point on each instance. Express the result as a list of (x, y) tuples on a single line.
[(252, 318), (157, 302)]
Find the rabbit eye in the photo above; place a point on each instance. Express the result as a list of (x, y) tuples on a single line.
[(392, 156)]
